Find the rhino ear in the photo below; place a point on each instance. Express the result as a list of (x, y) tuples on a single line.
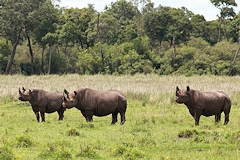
[(177, 89), (64, 98), (23, 89), (75, 93), (188, 88), (65, 91), (19, 91)]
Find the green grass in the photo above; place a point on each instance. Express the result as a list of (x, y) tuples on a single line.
[(156, 127)]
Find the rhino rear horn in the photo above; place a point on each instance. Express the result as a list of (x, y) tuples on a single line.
[(188, 88)]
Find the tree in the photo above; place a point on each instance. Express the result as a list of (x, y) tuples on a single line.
[(5, 51), (46, 23), (178, 29), (75, 25), (155, 24), (226, 11), (16, 18)]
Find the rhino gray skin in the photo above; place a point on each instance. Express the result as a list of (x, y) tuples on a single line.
[(43, 102), (98, 103), (205, 103)]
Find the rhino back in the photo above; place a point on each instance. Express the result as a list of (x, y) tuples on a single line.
[(51, 100), (101, 102), (209, 102), (55, 100)]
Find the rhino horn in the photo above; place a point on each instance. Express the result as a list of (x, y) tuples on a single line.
[(65, 91)]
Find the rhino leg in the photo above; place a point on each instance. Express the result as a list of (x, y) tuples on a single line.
[(89, 119), (217, 117), (226, 118), (88, 115), (43, 116), (114, 117), (37, 116), (197, 118), (123, 119), (60, 114)]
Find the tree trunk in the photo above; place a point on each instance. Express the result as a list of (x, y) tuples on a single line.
[(236, 54), (99, 39), (174, 53), (30, 51), (10, 61), (219, 29), (49, 61), (42, 67)]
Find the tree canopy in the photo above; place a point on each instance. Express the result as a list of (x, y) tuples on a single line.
[(128, 37)]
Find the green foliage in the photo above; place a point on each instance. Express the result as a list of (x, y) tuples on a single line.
[(120, 40), (5, 51), (24, 141), (88, 152), (187, 133), (156, 127), (55, 151), (6, 153), (72, 132)]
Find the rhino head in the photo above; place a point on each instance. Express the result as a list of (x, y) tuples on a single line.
[(24, 95), (69, 99), (182, 96)]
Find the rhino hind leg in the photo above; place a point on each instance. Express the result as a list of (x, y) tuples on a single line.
[(123, 119), (226, 119)]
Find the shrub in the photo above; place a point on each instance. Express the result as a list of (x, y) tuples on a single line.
[(6, 153), (187, 133), (88, 152), (23, 141), (72, 132)]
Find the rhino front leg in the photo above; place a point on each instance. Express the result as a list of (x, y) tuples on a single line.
[(197, 118), (37, 115), (60, 114), (43, 116), (88, 115)]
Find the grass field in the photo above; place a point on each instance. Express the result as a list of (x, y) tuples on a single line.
[(156, 127)]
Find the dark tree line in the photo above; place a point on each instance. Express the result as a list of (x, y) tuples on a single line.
[(128, 37)]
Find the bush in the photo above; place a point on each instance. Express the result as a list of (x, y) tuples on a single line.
[(23, 141), (6, 153)]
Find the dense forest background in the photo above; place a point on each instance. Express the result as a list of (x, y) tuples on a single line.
[(128, 37)]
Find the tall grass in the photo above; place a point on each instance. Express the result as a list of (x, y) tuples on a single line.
[(156, 127), (149, 87)]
